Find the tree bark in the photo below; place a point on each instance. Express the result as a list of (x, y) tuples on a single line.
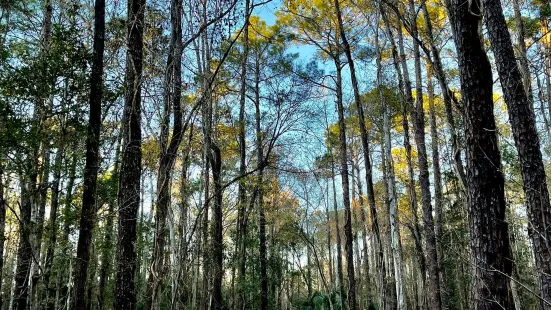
[(418, 119), (447, 95), (261, 212), (485, 184), (242, 212), (349, 248), (523, 125), (24, 249), (52, 232), (343, 158), (393, 213), (107, 256), (404, 86), (340, 276), (169, 151), (3, 206), (437, 176), (88, 215), (129, 183)]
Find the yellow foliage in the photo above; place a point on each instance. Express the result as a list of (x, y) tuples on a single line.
[(400, 162)]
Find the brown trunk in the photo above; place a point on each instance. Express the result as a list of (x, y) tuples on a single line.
[(169, 151), (242, 212), (129, 183), (343, 158), (523, 124), (418, 119), (217, 230), (3, 206), (261, 213), (24, 250), (437, 175), (88, 215), (485, 184), (346, 199)]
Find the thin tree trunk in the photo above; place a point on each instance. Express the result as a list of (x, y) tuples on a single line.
[(447, 95), (393, 215), (343, 158), (340, 275), (261, 211), (522, 52), (379, 261), (390, 301), (3, 206), (173, 82), (63, 274), (418, 118), (329, 243), (404, 86), (24, 250), (242, 212), (88, 215), (437, 175), (52, 233), (217, 231), (363, 225), (106, 256), (349, 249)]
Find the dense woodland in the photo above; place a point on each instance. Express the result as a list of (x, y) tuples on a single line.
[(275, 154)]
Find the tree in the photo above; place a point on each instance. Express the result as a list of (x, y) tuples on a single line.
[(129, 186), (521, 117), (169, 152), (89, 208), (485, 185)]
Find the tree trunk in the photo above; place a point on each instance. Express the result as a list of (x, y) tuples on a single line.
[(261, 211), (418, 119), (329, 243), (447, 95), (437, 175), (63, 278), (485, 185), (344, 166), (363, 225), (3, 206), (52, 232), (24, 250), (390, 301), (379, 260), (392, 213), (524, 66), (88, 215), (169, 151), (129, 183), (242, 212), (404, 86), (523, 125), (106, 256), (340, 276), (343, 158), (217, 231)]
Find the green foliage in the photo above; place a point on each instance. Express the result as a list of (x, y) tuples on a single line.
[(323, 301)]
